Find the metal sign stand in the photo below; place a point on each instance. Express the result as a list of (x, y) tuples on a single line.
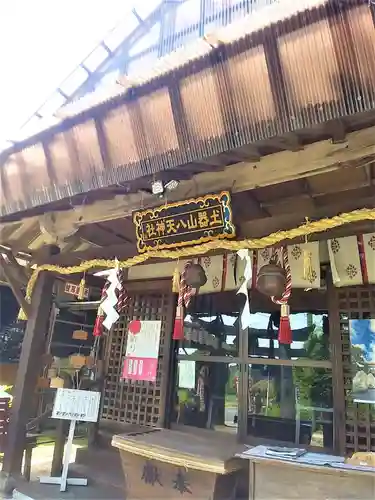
[(63, 481), (73, 405)]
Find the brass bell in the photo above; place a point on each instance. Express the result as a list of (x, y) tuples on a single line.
[(195, 276), (271, 280)]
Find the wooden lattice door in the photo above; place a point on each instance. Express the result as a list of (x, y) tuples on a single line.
[(358, 422), (133, 402)]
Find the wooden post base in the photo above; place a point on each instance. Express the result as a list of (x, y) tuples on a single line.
[(7, 484)]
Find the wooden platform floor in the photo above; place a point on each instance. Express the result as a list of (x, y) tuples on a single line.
[(102, 467), (33, 490)]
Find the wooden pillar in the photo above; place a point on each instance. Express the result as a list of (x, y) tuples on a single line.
[(27, 375), (243, 385), (58, 451), (337, 368)]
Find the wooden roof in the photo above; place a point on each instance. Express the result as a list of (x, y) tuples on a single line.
[(304, 79)]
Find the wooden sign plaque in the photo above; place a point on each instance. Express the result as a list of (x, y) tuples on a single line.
[(73, 289), (184, 223)]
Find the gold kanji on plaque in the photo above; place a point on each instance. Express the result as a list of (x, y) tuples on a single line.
[(184, 223)]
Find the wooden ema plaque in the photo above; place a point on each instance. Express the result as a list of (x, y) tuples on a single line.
[(184, 223)]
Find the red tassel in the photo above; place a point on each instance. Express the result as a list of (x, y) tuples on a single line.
[(98, 327), (178, 331), (285, 331)]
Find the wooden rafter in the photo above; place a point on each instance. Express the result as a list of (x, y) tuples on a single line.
[(21, 272), (337, 130), (14, 284), (18, 230)]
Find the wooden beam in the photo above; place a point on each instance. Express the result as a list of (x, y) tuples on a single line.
[(252, 229), (279, 167), (7, 231), (120, 251), (19, 230), (336, 129), (338, 386), (248, 153), (22, 272), (14, 285), (71, 243), (319, 199), (37, 242), (306, 189), (27, 375), (368, 171), (246, 206), (263, 227), (22, 244), (289, 142)]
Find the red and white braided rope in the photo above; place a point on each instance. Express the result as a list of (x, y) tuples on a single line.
[(122, 298), (98, 326), (186, 292), (288, 287), (103, 297)]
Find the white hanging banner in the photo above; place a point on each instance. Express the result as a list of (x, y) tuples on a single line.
[(304, 264), (186, 374), (245, 315), (264, 256), (108, 305), (346, 265), (213, 268), (332, 260)]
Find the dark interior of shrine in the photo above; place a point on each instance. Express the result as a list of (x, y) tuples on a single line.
[(224, 379)]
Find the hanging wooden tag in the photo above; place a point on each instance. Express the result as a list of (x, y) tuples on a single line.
[(90, 361), (43, 383), (80, 335), (56, 383), (77, 360), (52, 372)]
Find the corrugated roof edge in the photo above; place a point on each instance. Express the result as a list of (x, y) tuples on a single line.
[(258, 20), (254, 22), (169, 63)]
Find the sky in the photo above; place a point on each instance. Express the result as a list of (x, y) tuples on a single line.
[(42, 41)]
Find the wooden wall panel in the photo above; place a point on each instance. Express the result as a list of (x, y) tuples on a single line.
[(140, 403)]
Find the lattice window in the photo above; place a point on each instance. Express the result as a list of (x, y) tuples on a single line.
[(136, 402), (356, 303)]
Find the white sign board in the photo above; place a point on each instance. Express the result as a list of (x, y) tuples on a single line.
[(142, 352), (73, 404), (186, 374)]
